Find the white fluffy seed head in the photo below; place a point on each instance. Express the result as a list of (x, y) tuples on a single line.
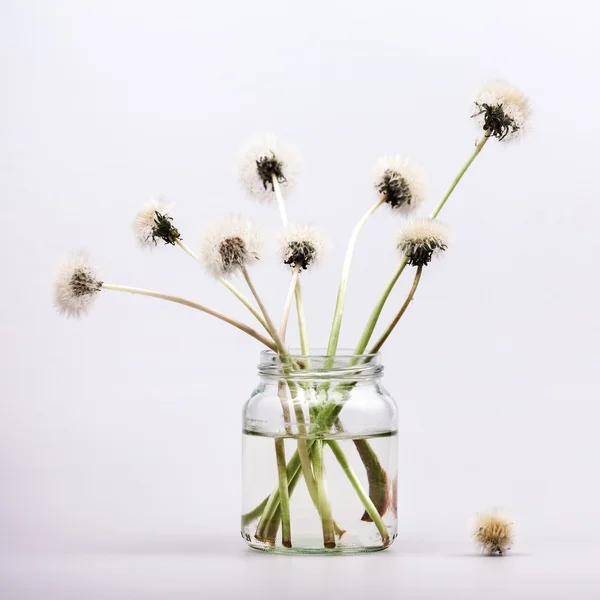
[(400, 182), (154, 222), (264, 158), (501, 110), (493, 532), (229, 244), (75, 286), (422, 239), (303, 246)]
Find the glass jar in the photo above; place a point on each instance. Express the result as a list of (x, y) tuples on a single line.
[(320, 456)]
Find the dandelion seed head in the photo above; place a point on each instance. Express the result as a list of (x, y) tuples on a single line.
[(302, 246), (264, 158), (153, 222), (75, 286), (230, 244), (400, 182), (493, 533), (421, 239), (501, 110)]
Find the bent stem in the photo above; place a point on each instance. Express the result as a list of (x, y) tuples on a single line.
[(177, 300), (376, 313), (364, 497), (284, 498), (341, 297), (386, 334), (228, 285)]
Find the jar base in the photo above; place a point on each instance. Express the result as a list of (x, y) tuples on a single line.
[(340, 549)]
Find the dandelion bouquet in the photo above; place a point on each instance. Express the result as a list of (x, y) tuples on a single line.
[(320, 431)]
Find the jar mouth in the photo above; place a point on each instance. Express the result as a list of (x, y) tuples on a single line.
[(319, 365)]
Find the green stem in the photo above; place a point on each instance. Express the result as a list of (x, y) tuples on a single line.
[(386, 334), (267, 508), (440, 205), (364, 497), (303, 450), (374, 317), (274, 523), (302, 456), (257, 511), (341, 297), (284, 498), (325, 508)]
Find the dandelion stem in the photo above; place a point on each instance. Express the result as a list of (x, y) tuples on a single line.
[(187, 250), (302, 443), (267, 509), (280, 202), (374, 317), (302, 324), (375, 314), (241, 326), (263, 309), (341, 297), (325, 507), (284, 498), (244, 301), (319, 500), (362, 494), (288, 303), (440, 204), (287, 419), (229, 286), (386, 334)]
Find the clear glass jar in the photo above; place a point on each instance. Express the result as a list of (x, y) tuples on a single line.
[(320, 456)]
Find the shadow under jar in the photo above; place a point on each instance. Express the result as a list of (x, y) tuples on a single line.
[(320, 456)]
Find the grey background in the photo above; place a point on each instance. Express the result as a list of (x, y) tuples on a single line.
[(120, 451)]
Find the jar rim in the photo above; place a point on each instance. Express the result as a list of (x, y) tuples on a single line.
[(319, 365)]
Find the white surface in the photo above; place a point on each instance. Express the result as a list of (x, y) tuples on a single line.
[(225, 570), (124, 427)]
